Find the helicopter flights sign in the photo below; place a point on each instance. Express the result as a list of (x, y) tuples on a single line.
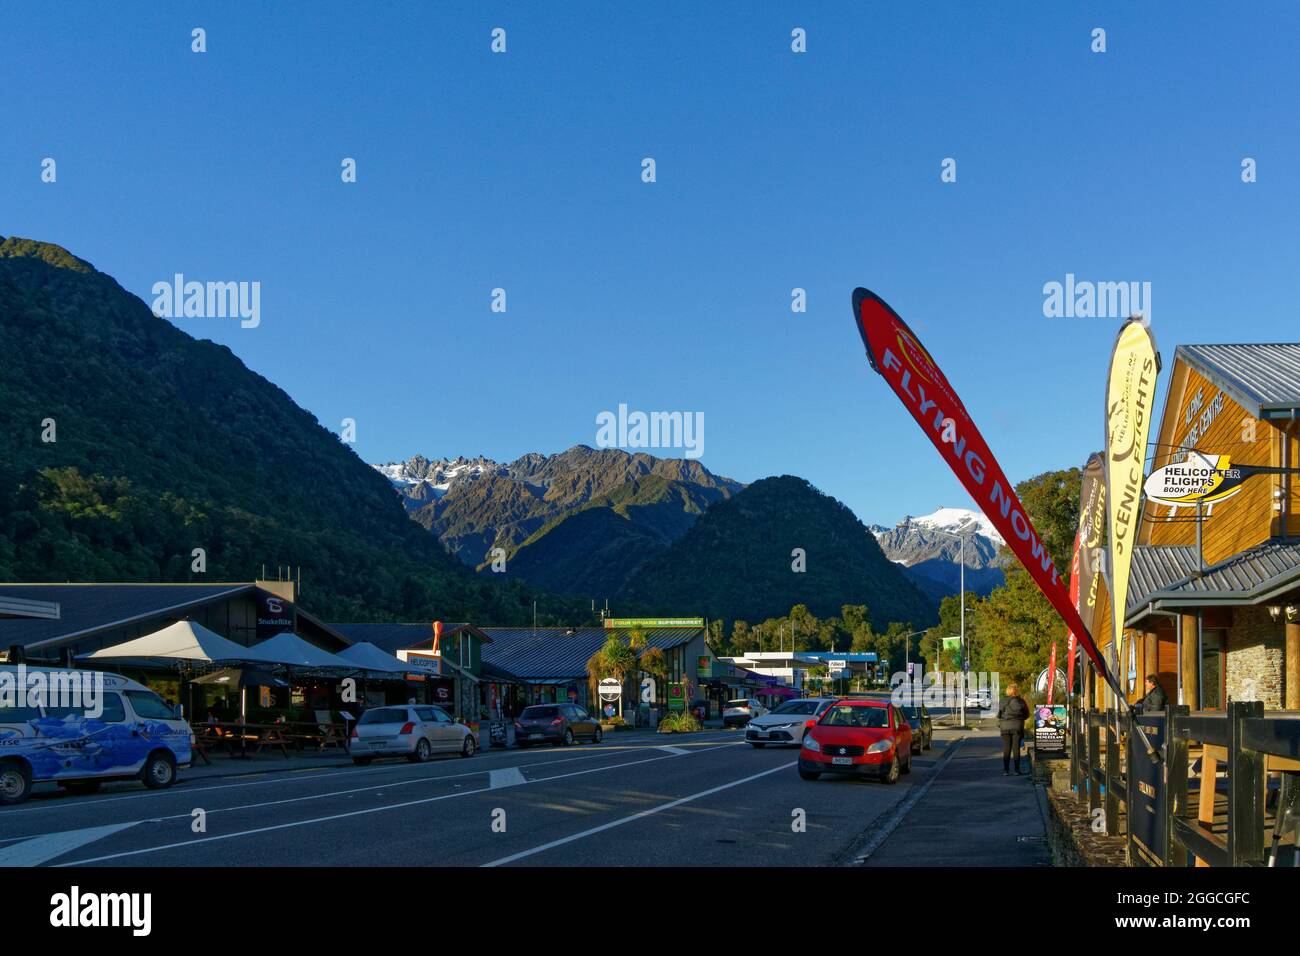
[(1202, 478)]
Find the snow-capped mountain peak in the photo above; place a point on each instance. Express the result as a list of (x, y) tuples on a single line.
[(437, 476), (959, 521)]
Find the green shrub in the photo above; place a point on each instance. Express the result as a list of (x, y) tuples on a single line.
[(683, 723)]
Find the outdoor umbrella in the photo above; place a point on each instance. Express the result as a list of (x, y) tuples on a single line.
[(290, 650), (366, 656), (241, 677), (182, 641)]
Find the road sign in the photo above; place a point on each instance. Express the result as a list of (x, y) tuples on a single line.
[(836, 666)]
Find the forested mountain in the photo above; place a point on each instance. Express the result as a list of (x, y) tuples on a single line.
[(125, 444), (578, 522), (737, 562)]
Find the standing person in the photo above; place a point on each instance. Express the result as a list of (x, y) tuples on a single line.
[(1011, 722)]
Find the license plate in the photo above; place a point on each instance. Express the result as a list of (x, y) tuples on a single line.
[(759, 733), (842, 761), (536, 736)]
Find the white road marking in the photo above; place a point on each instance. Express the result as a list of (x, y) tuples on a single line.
[(509, 777), (636, 816), (36, 850), (358, 813), (675, 750)]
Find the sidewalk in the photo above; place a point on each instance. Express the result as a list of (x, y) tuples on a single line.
[(971, 815)]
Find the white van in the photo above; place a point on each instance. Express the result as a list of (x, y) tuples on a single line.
[(78, 728)]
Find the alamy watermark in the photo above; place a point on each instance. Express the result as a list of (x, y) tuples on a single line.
[(208, 300), (684, 430), (1073, 299), (977, 690), (82, 691)]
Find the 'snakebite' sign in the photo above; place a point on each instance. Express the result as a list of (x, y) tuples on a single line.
[(897, 354)]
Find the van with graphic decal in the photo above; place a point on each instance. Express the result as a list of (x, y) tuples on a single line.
[(78, 728)]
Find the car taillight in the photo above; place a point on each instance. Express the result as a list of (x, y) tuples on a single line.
[(810, 723), (354, 731), (407, 728), (557, 720), (518, 725)]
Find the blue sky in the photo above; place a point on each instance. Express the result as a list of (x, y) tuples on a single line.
[(775, 170)]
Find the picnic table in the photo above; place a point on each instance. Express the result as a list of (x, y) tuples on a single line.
[(248, 738)]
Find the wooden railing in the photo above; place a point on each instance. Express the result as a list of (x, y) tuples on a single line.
[(1153, 788)]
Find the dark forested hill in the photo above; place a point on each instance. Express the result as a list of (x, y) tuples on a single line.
[(164, 443), (736, 561)]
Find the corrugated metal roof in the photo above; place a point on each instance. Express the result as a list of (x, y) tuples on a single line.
[(1262, 377), (1155, 568), (1250, 577), (86, 608), (562, 653)]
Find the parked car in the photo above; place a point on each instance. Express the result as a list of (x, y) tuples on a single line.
[(413, 731), (918, 718), (858, 736), (741, 711), (123, 731), (979, 699), (787, 724), (556, 724)]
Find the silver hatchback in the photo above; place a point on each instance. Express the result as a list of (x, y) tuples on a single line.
[(413, 731)]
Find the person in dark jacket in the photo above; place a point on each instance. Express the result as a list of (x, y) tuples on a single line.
[(1012, 715), (1155, 698)]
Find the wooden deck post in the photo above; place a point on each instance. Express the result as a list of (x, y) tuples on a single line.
[(1245, 789), (1175, 784), (1293, 665), (1190, 663)]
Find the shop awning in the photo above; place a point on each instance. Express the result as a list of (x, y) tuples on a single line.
[(182, 641), (366, 656)]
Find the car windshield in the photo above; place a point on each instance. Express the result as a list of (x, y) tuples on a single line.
[(797, 707), (537, 712), (856, 715), (737, 703), (911, 713), (384, 715)]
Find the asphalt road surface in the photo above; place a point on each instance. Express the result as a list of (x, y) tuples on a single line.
[(645, 800)]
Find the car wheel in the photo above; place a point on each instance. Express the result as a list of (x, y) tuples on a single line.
[(568, 737), (757, 746), (362, 761), (809, 774), (891, 775), (422, 751), (15, 782), (599, 735), (468, 747), (929, 742), (907, 767), (159, 771), (80, 786)]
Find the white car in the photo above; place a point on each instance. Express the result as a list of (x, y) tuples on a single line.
[(979, 700), (786, 725), (413, 731), (741, 711)]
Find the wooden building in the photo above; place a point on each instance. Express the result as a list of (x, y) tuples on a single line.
[(1216, 614)]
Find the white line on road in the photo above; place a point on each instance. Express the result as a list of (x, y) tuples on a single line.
[(36, 850), (509, 777), (369, 810), (675, 750), (636, 816)]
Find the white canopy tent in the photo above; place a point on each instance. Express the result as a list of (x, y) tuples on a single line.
[(182, 641), (290, 650), (367, 656)]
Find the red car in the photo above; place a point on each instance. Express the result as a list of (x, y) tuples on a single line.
[(861, 737)]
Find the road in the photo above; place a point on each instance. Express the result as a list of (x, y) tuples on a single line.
[(637, 799)]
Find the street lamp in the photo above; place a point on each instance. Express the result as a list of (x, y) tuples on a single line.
[(961, 561)]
